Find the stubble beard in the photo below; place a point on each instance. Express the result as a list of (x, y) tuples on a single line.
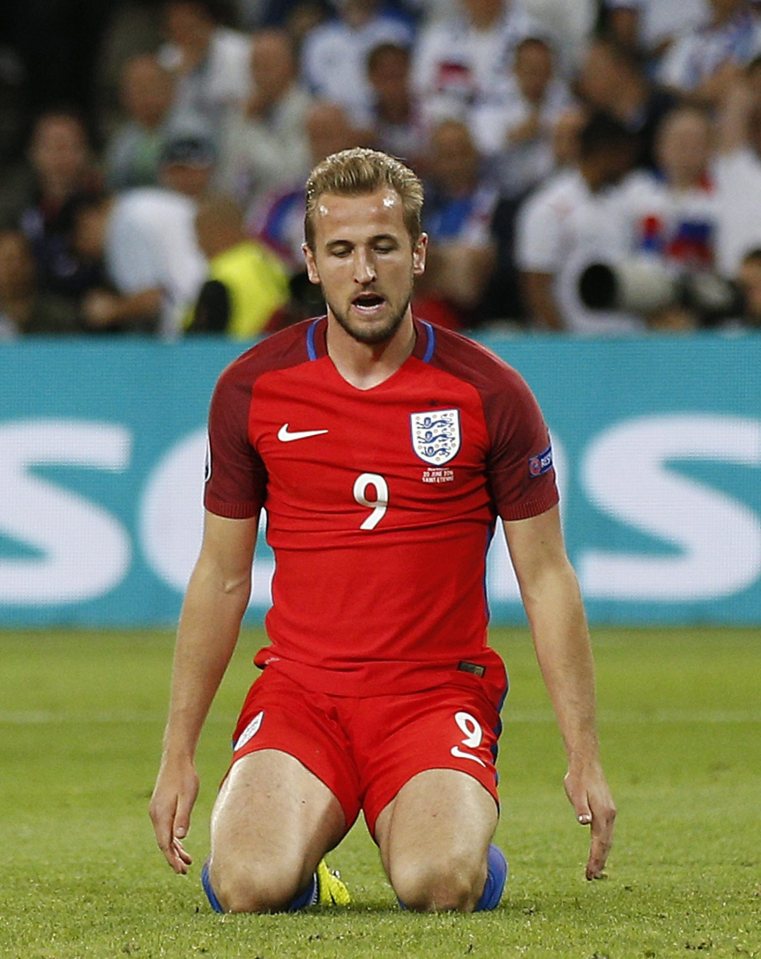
[(370, 336)]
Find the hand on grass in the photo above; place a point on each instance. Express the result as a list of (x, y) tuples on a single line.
[(171, 804), (589, 794)]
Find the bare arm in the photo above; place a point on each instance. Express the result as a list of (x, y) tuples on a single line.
[(103, 309), (215, 601), (540, 300), (556, 616)]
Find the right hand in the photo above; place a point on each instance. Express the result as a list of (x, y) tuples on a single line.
[(173, 797)]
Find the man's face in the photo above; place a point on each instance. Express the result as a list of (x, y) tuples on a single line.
[(59, 149), (683, 146), (533, 69), (365, 261)]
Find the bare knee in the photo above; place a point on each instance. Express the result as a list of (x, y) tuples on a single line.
[(438, 883), (256, 886)]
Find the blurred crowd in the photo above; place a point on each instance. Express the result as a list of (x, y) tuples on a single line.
[(590, 166)]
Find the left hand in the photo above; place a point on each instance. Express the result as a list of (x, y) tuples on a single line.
[(589, 794)]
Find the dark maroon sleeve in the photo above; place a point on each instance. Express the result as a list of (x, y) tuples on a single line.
[(235, 475), (519, 466)]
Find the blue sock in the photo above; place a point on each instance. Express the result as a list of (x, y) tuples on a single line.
[(496, 877), (306, 898), (206, 883)]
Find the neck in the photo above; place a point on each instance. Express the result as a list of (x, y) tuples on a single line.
[(366, 365)]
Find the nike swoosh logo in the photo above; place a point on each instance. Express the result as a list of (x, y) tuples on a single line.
[(285, 436)]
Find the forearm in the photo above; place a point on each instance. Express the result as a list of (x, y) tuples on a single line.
[(540, 300), (138, 306), (561, 639), (206, 638)]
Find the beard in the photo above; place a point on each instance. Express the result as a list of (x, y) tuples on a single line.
[(371, 335)]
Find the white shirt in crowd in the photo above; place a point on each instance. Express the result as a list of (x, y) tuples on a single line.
[(698, 53), (151, 242), (738, 179), (517, 166), (562, 229), (454, 64), (334, 59), (678, 227), (224, 78), (662, 20), (257, 156)]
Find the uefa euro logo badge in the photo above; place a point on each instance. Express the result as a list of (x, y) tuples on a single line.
[(436, 435)]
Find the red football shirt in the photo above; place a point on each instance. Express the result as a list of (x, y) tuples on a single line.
[(380, 503)]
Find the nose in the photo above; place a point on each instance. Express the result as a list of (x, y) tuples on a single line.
[(364, 267)]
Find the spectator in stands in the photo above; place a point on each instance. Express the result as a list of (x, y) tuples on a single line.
[(569, 27), (246, 283), (25, 309), (738, 169), (649, 27), (209, 60), (334, 54), (566, 135), (676, 209), (704, 62), (297, 17), (394, 120), (60, 170), (131, 155), (460, 205), (503, 301), (263, 142), (461, 58), (512, 125), (614, 78), (572, 221), (146, 238), (673, 214), (278, 219)]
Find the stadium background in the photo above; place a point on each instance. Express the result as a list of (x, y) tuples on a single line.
[(657, 444)]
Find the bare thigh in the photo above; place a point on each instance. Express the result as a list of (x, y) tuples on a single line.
[(434, 836), (272, 823)]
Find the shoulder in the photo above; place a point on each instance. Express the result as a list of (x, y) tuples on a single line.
[(441, 33), (152, 201), (282, 350), (556, 198), (231, 43), (474, 363)]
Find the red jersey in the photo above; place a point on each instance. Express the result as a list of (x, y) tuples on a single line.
[(380, 503)]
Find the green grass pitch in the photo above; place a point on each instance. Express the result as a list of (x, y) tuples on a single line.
[(81, 717)]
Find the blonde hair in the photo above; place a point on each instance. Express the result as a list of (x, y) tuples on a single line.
[(357, 172)]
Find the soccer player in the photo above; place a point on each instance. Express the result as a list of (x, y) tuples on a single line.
[(383, 450)]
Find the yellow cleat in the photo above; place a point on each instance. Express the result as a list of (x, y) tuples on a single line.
[(331, 891)]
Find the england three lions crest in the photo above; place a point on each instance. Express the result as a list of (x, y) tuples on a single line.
[(436, 435)]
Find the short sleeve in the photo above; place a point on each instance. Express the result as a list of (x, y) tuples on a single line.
[(537, 237), (235, 474), (132, 261), (520, 467)]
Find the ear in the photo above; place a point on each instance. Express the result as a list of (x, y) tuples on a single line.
[(311, 264), (419, 251)]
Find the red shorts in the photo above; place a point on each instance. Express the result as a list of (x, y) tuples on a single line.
[(365, 749)]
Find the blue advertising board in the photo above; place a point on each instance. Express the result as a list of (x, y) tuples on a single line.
[(657, 443)]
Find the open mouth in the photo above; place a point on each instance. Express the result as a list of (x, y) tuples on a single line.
[(368, 301)]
